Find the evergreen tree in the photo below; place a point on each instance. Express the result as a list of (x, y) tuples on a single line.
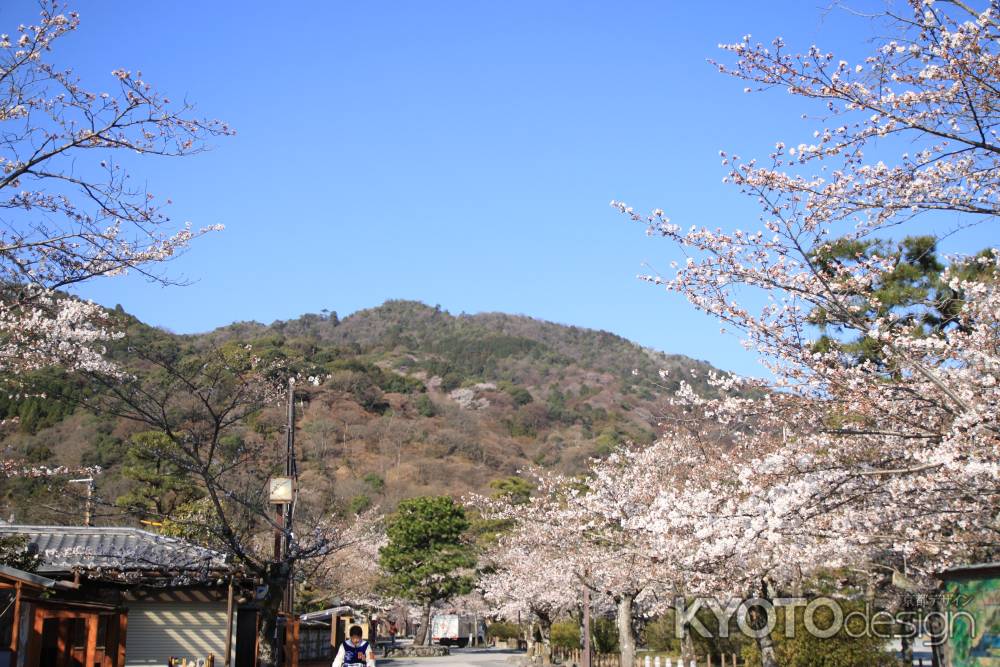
[(427, 555)]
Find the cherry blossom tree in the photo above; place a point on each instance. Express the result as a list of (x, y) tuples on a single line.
[(526, 577), (210, 410), (585, 532), (839, 459), (71, 210)]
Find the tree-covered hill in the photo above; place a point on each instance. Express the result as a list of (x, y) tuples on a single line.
[(412, 400)]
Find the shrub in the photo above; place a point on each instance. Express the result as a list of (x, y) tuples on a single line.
[(374, 482), (359, 503), (660, 633), (520, 395), (360, 387), (604, 635), (503, 630), (425, 406), (566, 634), (840, 650)]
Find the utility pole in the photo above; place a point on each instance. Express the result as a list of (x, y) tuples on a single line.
[(585, 658), (89, 481), (291, 472), (282, 495)]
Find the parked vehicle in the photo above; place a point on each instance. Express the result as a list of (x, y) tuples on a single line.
[(458, 629)]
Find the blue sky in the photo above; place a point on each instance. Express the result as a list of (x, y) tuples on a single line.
[(460, 153)]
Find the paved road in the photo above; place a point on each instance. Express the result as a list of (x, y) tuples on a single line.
[(475, 657)]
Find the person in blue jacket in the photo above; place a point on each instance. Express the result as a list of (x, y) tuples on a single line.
[(355, 652)]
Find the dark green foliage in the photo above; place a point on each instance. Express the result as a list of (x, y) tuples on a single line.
[(361, 388), (476, 355), (565, 634), (34, 450), (359, 503), (159, 486), (427, 557), (604, 635), (520, 395), (840, 650), (516, 490), (387, 381), (660, 634), (375, 482), (528, 421), (556, 402), (425, 406), (29, 500), (105, 451), (46, 397), (503, 630), (913, 291)]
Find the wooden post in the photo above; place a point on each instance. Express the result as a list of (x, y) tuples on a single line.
[(227, 659), (16, 627), (35, 640), (122, 629), (90, 650), (63, 637)]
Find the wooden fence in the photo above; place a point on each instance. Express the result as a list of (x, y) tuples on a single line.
[(574, 656)]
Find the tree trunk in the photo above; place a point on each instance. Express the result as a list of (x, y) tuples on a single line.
[(768, 658), (529, 638), (906, 650), (684, 636), (424, 635), (765, 644), (267, 639), (687, 645), (626, 639), (545, 631)]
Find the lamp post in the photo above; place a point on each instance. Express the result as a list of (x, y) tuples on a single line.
[(281, 494)]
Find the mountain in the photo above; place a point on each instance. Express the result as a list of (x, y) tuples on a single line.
[(414, 400)]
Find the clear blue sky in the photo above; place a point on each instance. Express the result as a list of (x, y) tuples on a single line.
[(460, 153)]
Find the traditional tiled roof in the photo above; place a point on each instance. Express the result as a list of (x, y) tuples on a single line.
[(120, 553), (33, 579)]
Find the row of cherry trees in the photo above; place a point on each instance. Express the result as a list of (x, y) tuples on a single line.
[(876, 445)]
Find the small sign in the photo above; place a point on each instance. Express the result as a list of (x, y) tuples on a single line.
[(282, 490)]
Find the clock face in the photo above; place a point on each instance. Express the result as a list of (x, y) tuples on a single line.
[(281, 490)]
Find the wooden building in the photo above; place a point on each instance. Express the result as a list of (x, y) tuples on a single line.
[(117, 597)]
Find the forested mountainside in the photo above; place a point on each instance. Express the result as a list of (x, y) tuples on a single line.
[(412, 400)]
